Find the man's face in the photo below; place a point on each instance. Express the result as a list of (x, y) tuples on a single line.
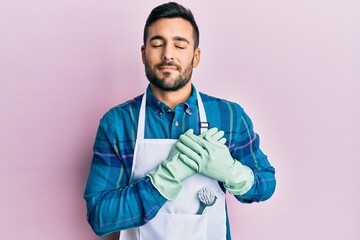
[(169, 55)]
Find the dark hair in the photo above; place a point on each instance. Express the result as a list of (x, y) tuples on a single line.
[(172, 10)]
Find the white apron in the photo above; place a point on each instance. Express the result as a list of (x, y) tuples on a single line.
[(176, 220)]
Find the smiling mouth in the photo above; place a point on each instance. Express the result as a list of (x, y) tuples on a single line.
[(168, 68)]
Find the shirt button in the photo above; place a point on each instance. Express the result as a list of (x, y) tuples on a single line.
[(176, 123), (161, 113), (169, 110)]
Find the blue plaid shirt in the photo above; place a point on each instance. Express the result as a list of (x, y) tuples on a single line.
[(113, 204)]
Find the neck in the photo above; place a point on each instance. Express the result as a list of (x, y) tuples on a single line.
[(171, 99)]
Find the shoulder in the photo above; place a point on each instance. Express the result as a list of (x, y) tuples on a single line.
[(211, 102), (226, 115), (123, 112)]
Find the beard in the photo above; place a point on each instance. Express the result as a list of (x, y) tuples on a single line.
[(166, 83)]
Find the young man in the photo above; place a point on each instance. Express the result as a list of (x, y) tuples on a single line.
[(154, 155)]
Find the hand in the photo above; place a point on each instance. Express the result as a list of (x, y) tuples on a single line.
[(213, 159), (205, 155), (215, 134), (167, 177)]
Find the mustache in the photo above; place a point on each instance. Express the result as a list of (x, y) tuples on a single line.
[(167, 64)]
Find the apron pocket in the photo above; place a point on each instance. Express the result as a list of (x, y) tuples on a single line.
[(167, 226)]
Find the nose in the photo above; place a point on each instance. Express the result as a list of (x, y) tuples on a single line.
[(167, 55)]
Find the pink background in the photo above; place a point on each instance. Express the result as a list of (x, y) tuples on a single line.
[(293, 65)]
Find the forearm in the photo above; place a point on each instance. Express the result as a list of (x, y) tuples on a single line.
[(132, 206), (262, 189), (112, 203), (248, 151)]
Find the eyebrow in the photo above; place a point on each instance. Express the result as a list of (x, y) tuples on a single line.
[(176, 38), (156, 37)]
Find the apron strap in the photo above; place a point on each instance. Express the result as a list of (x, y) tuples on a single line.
[(204, 125), (141, 121)]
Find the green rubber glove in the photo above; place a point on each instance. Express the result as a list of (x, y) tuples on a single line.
[(215, 134), (213, 159), (167, 177)]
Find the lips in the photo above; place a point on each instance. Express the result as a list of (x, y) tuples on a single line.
[(168, 68)]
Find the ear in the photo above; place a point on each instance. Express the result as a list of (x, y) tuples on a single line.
[(143, 53), (196, 57)]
